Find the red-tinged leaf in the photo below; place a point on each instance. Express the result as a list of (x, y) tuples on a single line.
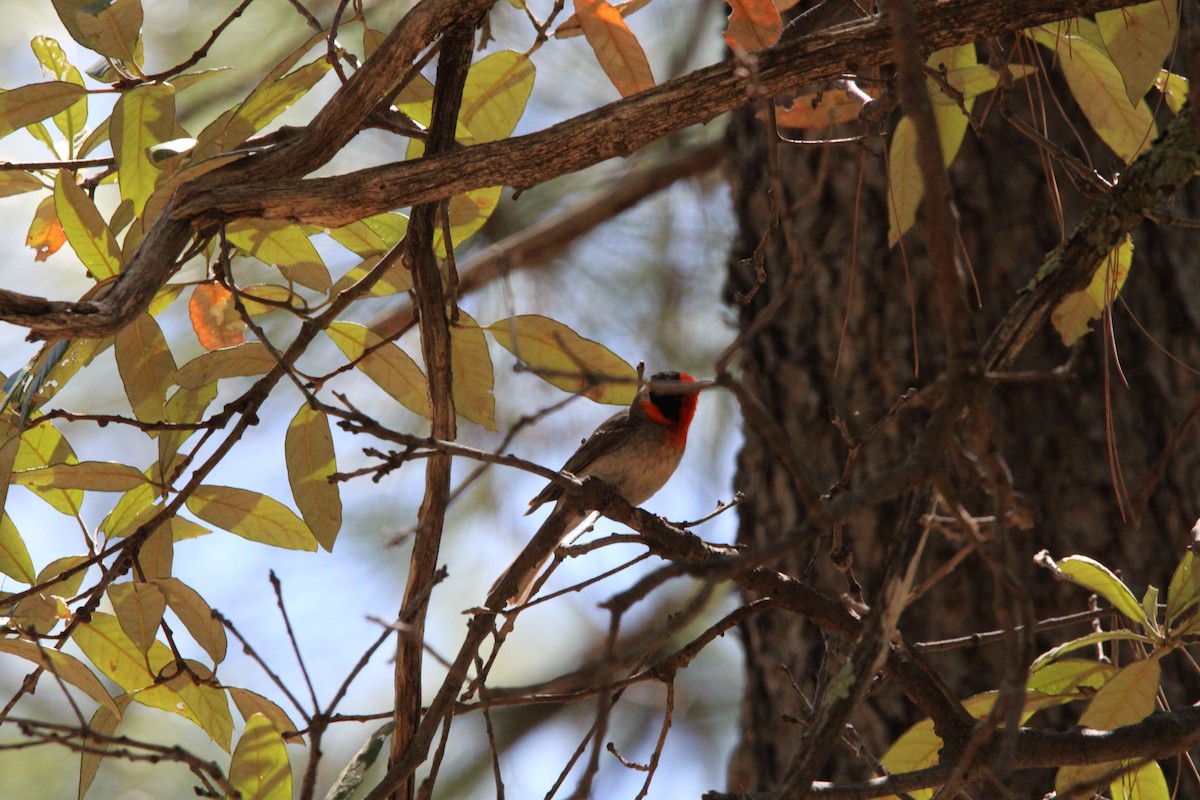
[(753, 25), (283, 245), (196, 616), (103, 723), (139, 608), (252, 516), (14, 181), (615, 46), (86, 230), (471, 365), (572, 27), (147, 367), (143, 117), (111, 28), (99, 476), (252, 358), (69, 668), (308, 451), (26, 105), (565, 359), (215, 317), (249, 703), (392, 369), (46, 234), (14, 557), (260, 769), (42, 445), (824, 109)]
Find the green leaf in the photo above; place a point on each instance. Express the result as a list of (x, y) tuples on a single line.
[(1099, 637), (1072, 318), (103, 723), (352, 776), (1147, 782), (196, 616), (147, 367), (139, 609), (260, 769), (249, 703), (906, 187), (69, 668), (283, 245), (308, 451), (1069, 676), (14, 557), (1091, 574), (86, 230), (471, 366), (1099, 89), (97, 137), (100, 476), (252, 516), (26, 105), (42, 445), (392, 369), (143, 117), (111, 28), (565, 359), (391, 227), (55, 63), (252, 358), (1138, 39), (1183, 593)]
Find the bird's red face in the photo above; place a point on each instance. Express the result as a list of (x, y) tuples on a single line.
[(672, 407)]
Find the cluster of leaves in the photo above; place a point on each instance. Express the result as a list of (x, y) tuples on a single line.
[(1115, 695)]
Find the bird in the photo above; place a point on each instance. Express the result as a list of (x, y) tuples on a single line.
[(634, 452)]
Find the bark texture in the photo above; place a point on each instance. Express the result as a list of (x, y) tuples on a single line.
[(860, 329)]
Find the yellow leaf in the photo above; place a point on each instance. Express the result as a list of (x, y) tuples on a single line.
[(1139, 38), (615, 46), (146, 366), (468, 213), (283, 245), (495, 95), (951, 120), (42, 445), (196, 616), (43, 611), (55, 63), (252, 358), (1074, 315), (1099, 89), (139, 608), (26, 105), (565, 359), (906, 187), (308, 451), (471, 366), (249, 703), (100, 476), (143, 117), (1174, 89), (252, 516), (260, 770), (103, 723), (14, 557), (396, 279), (111, 28), (392, 369), (753, 25), (69, 668), (85, 229)]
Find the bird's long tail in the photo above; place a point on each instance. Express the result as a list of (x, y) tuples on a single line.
[(516, 583)]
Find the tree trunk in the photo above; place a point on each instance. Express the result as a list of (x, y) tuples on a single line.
[(843, 342)]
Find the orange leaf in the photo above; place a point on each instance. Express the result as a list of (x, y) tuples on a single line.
[(753, 25), (45, 232), (572, 27), (215, 317), (822, 109), (615, 46)]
